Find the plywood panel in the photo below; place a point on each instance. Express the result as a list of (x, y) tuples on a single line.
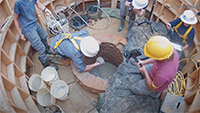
[(11, 3), (4, 12), (9, 44), (5, 62)]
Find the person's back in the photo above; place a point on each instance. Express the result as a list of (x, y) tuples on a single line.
[(163, 72), (67, 45), (66, 48)]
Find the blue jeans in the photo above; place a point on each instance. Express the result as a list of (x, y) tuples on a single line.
[(38, 39)]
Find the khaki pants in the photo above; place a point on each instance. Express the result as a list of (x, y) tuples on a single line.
[(141, 88)]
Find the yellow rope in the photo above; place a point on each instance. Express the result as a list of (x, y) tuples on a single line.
[(178, 87)]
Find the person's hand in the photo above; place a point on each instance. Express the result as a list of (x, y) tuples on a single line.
[(168, 25), (140, 62), (99, 42), (142, 69), (185, 47), (127, 4), (100, 60), (22, 37)]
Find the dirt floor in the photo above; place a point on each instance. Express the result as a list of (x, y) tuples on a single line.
[(112, 29), (79, 99)]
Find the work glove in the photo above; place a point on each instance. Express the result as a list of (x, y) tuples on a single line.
[(100, 60)]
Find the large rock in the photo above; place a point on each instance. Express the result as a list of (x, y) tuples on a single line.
[(118, 97)]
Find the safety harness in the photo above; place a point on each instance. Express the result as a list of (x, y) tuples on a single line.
[(69, 37), (186, 33)]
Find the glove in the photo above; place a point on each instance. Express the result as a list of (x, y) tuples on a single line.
[(100, 60)]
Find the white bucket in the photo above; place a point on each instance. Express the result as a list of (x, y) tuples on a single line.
[(44, 97), (56, 109), (49, 75), (60, 90), (35, 83)]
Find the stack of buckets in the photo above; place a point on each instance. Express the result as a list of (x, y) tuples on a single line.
[(58, 88)]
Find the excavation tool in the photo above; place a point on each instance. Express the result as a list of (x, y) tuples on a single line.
[(148, 21), (132, 54)]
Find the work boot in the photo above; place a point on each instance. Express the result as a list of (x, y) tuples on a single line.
[(55, 66), (47, 51), (44, 61), (122, 23)]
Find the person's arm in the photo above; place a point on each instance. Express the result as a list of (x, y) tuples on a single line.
[(168, 25), (91, 66), (127, 4), (190, 39), (42, 7), (147, 78), (18, 27), (147, 61), (140, 12)]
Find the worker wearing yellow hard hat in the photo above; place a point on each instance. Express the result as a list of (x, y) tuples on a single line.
[(164, 59)]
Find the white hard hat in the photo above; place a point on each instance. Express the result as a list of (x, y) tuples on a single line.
[(89, 46), (139, 4), (188, 17)]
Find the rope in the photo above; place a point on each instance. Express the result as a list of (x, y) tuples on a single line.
[(178, 87), (53, 26)]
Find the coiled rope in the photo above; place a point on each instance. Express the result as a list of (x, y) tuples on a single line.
[(178, 85)]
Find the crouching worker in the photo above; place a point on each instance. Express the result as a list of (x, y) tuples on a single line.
[(68, 46), (165, 65)]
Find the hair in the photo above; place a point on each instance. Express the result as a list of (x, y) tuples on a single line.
[(171, 57)]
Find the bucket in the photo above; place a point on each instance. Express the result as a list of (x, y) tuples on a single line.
[(59, 89), (49, 75), (55, 109), (35, 83), (44, 97)]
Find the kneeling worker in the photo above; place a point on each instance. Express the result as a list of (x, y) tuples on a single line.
[(68, 46), (165, 62)]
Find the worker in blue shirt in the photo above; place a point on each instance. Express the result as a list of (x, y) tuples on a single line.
[(72, 46), (183, 31), (27, 26), (135, 7)]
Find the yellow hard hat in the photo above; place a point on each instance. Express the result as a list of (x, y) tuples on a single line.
[(158, 48)]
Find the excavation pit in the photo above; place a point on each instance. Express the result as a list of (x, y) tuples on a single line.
[(111, 49), (112, 56)]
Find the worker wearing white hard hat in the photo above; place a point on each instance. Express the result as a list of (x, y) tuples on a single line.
[(69, 46), (182, 31), (135, 7)]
